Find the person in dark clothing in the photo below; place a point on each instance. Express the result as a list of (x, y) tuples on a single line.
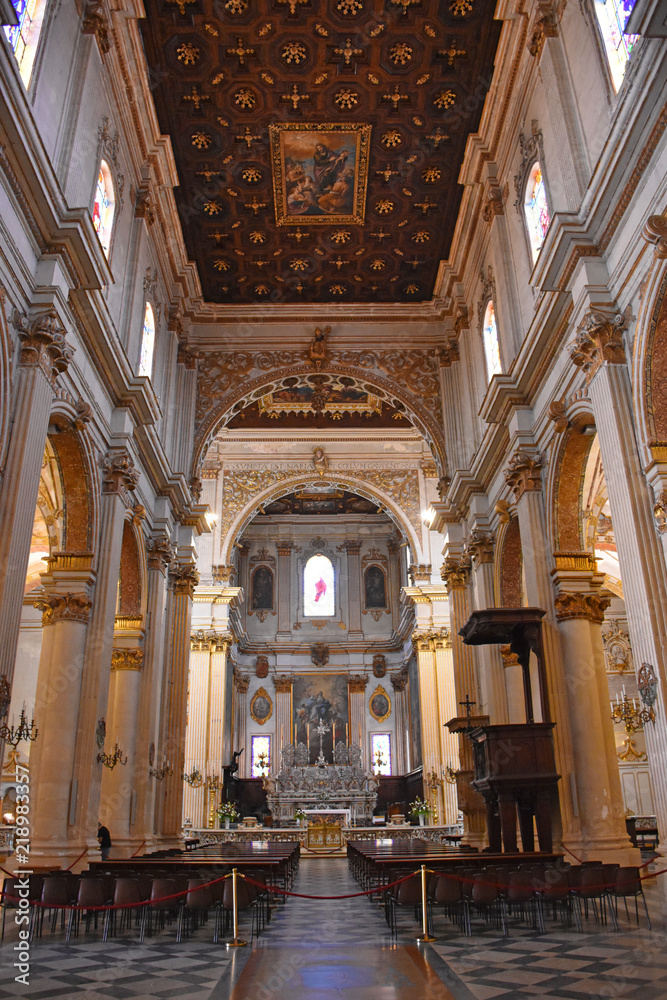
[(104, 838)]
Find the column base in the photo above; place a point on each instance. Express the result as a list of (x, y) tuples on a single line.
[(123, 848), (608, 850), (53, 855)]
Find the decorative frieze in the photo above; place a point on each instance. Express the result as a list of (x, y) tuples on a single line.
[(118, 472), (64, 607), (578, 605), (524, 473), (127, 659), (599, 339), (43, 343)]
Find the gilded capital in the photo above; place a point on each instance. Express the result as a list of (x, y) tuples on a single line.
[(599, 339), (241, 682), (43, 343), (184, 578), (64, 607), (523, 473), (454, 573), (577, 605), (118, 472), (655, 231), (210, 640), (285, 548), (420, 573), (448, 353), (660, 511), (480, 546), (224, 574), (127, 659), (283, 683), (399, 679), (429, 641), (356, 683), (160, 553), (545, 26), (351, 545)]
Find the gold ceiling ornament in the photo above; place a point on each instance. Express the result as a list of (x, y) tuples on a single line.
[(298, 235), (248, 137), (425, 206), (452, 52), (346, 98), (218, 236), (257, 237), (217, 79), (347, 51), (225, 124), (181, 4), (245, 98), (387, 173), (251, 175), (421, 236), (202, 140), (424, 78), (380, 235), (240, 52), (430, 31), (195, 97), (337, 289), (340, 236), (378, 264), (377, 30), (405, 4), (395, 98), (444, 99), (372, 78), (293, 5), (384, 206), (295, 97), (460, 8), (437, 136), (220, 264), (267, 78), (236, 6), (412, 289), (321, 78), (262, 289), (211, 29), (212, 207), (299, 264), (400, 53), (255, 205), (294, 52), (207, 173), (350, 8), (431, 175), (321, 30), (187, 53), (392, 138)]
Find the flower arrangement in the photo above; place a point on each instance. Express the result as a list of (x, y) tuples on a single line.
[(419, 808), (227, 811), (300, 814)]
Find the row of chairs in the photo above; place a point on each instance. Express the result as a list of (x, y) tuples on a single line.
[(145, 902), (528, 893)]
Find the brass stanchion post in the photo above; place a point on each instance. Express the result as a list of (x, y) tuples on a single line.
[(237, 942), (424, 936)]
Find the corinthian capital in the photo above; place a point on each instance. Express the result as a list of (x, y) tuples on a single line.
[(43, 343), (577, 605), (127, 659), (480, 546), (64, 608), (118, 472), (523, 473), (184, 578), (160, 552), (454, 573), (599, 339)]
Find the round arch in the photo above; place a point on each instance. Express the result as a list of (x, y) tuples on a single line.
[(387, 391), (298, 481), (133, 570), (78, 483), (650, 366), (565, 488)]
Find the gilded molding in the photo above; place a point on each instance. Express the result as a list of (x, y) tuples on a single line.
[(128, 623), (127, 659), (578, 605), (64, 608), (69, 561), (599, 339), (579, 561), (43, 343), (118, 472), (523, 473)]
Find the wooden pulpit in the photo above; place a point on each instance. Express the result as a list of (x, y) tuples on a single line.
[(515, 770)]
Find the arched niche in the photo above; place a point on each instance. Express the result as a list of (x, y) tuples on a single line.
[(565, 489), (297, 482), (131, 583), (508, 583), (78, 495)]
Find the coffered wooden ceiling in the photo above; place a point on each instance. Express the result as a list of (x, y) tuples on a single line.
[(389, 90)]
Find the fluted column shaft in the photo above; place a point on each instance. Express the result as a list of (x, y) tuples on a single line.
[(118, 795), (353, 549), (356, 686), (491, 672), (241, 685), (284, 587), (196, 733), (465, 676), (284, 728), (444, 669)]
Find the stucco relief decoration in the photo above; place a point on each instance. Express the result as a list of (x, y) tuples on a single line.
[(599, 340), (262, 666), (319, 654), (261, 706), (524, 472), (320, 461), (545, 26), (531, 150), (647, 682), (617, 650), (379, 665), (660, 511)]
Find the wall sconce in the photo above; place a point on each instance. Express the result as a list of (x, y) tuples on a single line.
[(110, 760), (24, 731)]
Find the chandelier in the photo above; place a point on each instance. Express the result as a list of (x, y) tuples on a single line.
[(160, 773), (24, 731), (110, 760), (194, 778), (632, 715)]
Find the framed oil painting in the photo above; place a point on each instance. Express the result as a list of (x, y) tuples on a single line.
[(261, 706), (320, 173), (320, 698)]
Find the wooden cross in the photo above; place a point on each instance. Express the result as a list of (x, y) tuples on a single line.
[(425, 205), (348, 51), (196, 97), (452, 52), (295, 97), (240, 52), (255, 205), (395, 97), (387, 173), (437, 137), (247, 138), (468, 705)]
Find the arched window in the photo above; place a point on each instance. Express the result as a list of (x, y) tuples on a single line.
[(147, 342), (612, 17), (24, 36), (491, 346), (536, 209), (103, 206), (318, 587)]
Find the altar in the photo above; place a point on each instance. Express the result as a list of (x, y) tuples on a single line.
[(343, 786)]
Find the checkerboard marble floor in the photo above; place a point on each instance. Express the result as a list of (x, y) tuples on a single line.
[(342, 950)]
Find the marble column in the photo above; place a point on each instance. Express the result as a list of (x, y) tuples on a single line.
[(399, 682), (196, 733), (435, 698), (119, 479), (285, 587), (159, 556), (356, 687), (448, 806), (65, 617), (524, 477), (493, 692), (118, 795), (394, 581), (44, 355), (284, 724), (598, 350), (598, 784), (353, 549), (183, 579)]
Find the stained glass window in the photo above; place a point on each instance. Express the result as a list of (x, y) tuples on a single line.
[(381, 753), (147, 343), (318, 587), (260, 756), (103, 206), (613, 16), (491, 346), (537, 209), (23, 36)]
